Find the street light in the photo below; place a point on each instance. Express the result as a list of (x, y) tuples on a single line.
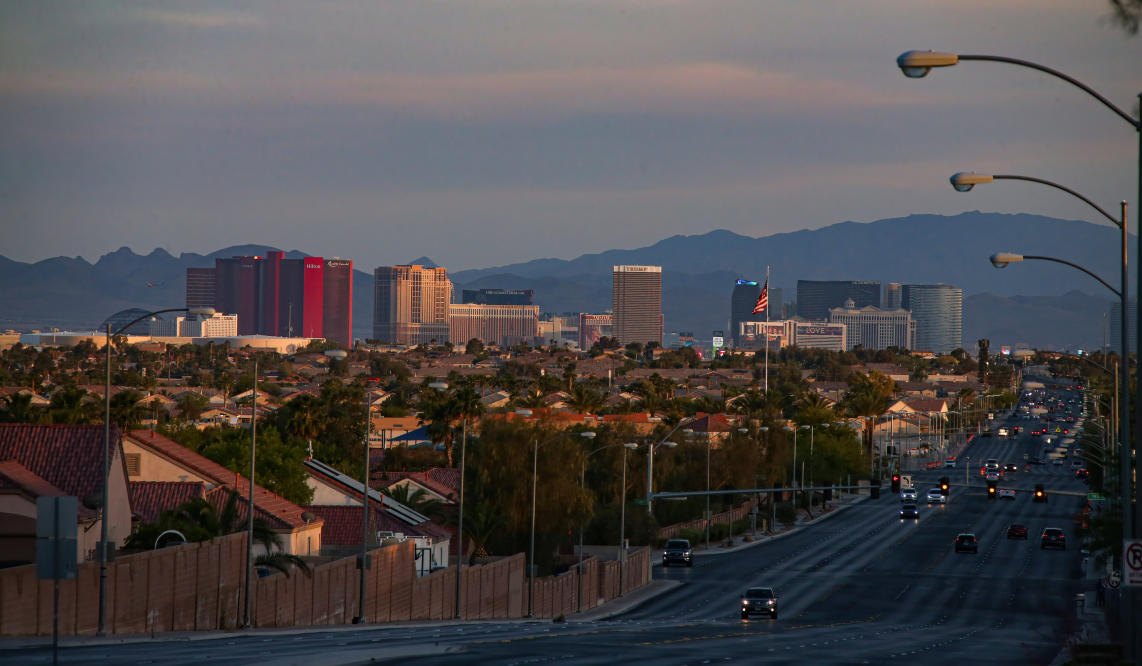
[(622, 514), (650, 459), (104, 545), (964, 182), (531, 550), (443, 386), (915, 64)]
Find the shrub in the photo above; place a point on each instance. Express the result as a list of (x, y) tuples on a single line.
[(785, 513)]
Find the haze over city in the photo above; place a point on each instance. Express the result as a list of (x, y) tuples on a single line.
[(494, 132)]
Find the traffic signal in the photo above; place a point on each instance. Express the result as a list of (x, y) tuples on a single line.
[(991, 490), (944, 485), (1040, 494), (895, 483)]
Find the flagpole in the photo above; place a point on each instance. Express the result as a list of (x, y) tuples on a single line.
[(767, 330)]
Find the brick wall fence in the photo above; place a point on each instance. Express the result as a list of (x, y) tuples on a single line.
[(736, 513), (201, 587)]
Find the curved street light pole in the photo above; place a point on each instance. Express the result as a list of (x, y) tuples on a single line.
[(964, 182), (916, 64), (104, 546)]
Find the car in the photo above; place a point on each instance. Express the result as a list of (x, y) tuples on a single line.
[(1053, 537), (1076, 464), (1010, 467), (950, 463), (992, 476), (1001, 432), (991, 463), (966, 543), (936, 496), (907, 494), (1006, 493), (1016, 531), (1034, 460), (909, 512), (759, 601), (677, 550), (1082, 473), (1078, 453)]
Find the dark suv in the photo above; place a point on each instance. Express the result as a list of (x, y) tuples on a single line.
[(1053, 537), (966, 543), (759, 601), (677, 551)]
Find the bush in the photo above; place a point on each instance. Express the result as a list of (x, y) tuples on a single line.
[(719, 531), (740, 526), (693, 536)]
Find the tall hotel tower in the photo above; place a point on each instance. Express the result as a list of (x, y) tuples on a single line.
[(637, 303), (939, 313), (411, 305)]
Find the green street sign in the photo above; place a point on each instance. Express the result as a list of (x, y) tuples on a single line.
[(1095, 496), (640, 502)]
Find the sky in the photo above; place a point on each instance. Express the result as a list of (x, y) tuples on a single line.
[(487, 132)]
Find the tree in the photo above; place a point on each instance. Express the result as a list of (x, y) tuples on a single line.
[(74, 406), (585, 400), (1127, 14), (191, 405), (199, 520), (475, 347), (126, 412), (18, 408), (415, 498)]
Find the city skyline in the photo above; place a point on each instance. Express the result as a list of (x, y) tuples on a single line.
[(584, 127)]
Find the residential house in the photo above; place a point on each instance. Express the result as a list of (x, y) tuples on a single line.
[(53, 461)]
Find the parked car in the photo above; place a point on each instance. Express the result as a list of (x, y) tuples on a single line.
[(677, 551), (759, 601)]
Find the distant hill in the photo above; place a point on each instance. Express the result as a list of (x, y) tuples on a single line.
[(1018, 304)]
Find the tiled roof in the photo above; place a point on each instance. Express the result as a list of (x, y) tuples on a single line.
[(444, 481), (709, 423), (342, 525), (220, 495), (68, 457), (150, 498), (284, 512), (14, 476)]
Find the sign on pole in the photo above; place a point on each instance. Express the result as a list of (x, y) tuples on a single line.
[(1132, 562), (56, 537)]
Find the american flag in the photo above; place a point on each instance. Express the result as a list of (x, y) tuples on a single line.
[(762, 300)]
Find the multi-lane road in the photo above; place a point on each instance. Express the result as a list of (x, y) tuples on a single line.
[(863, 587)]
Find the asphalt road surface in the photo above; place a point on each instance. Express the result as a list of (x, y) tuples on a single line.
[(861, 588)]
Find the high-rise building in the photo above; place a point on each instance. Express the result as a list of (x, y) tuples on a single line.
[(1116, 325), (200, 287), (637, 304), (236, 287), (498, 296), (742, 302), (938, 311), (276, 296), (411, 305), (592, 327), (492, 324), (816, 297), (893, 298), (337, 302), (873, 328)]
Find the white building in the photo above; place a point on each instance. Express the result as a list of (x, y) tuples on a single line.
[(196, 326), (791, 332), (875, 328), (939, 313)]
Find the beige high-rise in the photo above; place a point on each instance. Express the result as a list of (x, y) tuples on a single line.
[(637, 303), (411, 305)]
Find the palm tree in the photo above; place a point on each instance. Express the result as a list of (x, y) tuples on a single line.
[(126, 412), (198, 519), (19, 409), (585, 400), (414, 498), (438, 413), (480, 523), (72, 406)]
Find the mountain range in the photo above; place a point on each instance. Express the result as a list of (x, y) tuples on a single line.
[(1038, 303)]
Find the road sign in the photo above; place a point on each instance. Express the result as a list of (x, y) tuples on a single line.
[(56, 530), (1132, 562), (1095, 497), (639, 501)]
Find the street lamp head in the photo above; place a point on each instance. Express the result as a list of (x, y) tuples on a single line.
[(964, 180), (743, 430), (1001, 259), (587, 434), (764, 428), (917, 64), (631, 445), (669, 445), (439, 386)]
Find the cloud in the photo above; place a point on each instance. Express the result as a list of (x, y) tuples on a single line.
[(197, 20)]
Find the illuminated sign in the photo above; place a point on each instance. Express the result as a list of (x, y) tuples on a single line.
[(752, 283)]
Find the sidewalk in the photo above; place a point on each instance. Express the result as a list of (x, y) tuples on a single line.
[(658, 587), (1092, 627)]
